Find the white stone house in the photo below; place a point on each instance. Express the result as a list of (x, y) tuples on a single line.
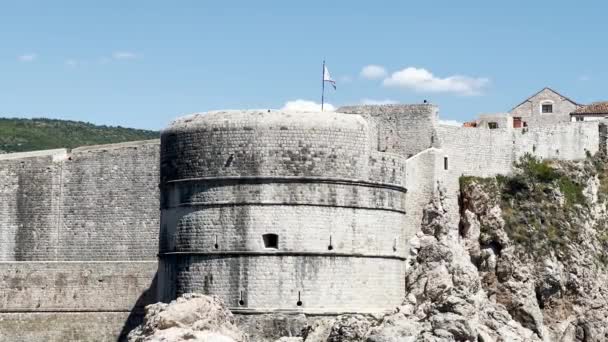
[(546, 107), (593, 112)]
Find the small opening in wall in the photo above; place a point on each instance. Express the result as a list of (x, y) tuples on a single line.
[(299, 302), (492, 125), (271, 241), (445, 163), (216, 245), (533, 148), (330, 246), (229, 160), (241, 301), (547, 108)]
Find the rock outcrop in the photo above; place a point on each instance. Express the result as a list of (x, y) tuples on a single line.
[(192, 317)]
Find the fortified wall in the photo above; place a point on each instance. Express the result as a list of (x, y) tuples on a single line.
[(78, 241), (278, 211), (483, 152), (270, 210)]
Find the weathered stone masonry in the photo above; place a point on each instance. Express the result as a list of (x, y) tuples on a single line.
[(79, 236), (271, 211), (333, 206)]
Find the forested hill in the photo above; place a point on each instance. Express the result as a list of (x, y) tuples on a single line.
[(20, 135)]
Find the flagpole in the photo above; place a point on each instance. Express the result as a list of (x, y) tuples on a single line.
[(322, 85)]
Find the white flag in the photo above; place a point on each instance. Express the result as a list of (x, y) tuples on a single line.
[(327, 77)]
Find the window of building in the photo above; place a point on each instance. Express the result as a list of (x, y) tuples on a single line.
[(517, 122), (492, 125), (547, 108), (580, 118), (271, 241), (445, 163)]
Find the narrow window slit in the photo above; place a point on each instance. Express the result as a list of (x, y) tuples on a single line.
[(299, 302), (216, 245), (229, 160), (331, 246), (241, 301)]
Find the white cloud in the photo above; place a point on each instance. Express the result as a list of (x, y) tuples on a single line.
[(29, 57), (450, 122), (124, 55), (307, 106), (377, 102), (373, 72), (422, 80)]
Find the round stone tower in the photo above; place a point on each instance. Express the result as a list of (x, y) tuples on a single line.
[(274, 210)]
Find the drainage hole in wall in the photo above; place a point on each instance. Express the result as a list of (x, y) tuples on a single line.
[(241, 302)]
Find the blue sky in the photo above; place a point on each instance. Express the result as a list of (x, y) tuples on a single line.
[(143, 63)]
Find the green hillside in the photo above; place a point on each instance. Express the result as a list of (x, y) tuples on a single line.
[(20, 135)]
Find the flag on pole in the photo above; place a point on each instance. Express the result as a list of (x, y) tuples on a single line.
[(327, 77)]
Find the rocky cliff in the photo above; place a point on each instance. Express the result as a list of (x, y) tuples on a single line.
[(528, 262)]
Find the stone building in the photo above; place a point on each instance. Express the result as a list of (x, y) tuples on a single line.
[(593, 112), (544, 108), (494, 121)]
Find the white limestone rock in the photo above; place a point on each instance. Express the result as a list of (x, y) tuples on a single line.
[(192, 317)]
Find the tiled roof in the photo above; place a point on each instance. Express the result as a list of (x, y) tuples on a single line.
[(594, 108)]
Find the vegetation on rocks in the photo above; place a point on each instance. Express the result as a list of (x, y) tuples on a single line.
[(543, 202), (20, 135)]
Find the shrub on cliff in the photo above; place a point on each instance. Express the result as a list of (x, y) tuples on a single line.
[(543, 202)]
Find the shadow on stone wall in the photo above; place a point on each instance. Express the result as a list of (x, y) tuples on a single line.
[(137, 313)]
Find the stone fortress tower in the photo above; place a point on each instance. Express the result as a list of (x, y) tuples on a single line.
[(269, 210), (274, 211)]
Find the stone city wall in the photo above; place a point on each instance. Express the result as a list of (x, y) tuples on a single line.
[(399, 129), (331, 284), (421, 186), (79, 236), (65, 326), (488, 152)]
